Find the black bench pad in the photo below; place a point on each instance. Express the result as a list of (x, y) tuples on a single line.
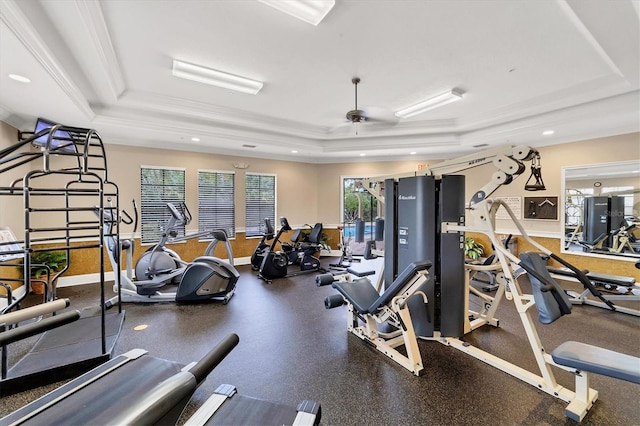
[(360, 293), (364, 297), (360, 274), (601, 278), (594, 359)]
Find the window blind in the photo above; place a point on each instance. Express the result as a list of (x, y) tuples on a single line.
[(158, 186), (216, 201), (260, 199)]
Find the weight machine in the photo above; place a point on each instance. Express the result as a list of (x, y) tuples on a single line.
[(426, 222)]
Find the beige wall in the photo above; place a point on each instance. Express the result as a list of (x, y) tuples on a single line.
[(10, 206), (309, 193), (604, 150), (296, 182)]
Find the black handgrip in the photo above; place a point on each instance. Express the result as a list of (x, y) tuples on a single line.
[(126, 218), (22, 332), (202, 369), (584, 280)]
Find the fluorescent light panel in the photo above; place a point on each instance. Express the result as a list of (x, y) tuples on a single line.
[(310, 11), (429, 104), (215, 78)]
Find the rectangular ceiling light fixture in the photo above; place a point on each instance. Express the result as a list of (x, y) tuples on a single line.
[(215, 78), (311, 11), (429, 104)]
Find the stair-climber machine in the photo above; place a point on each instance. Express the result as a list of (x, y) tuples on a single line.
[(275, 263), (204, 278)]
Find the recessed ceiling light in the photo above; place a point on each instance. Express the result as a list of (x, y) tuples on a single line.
[(412, 153), (294, 151), (548, 132), (362, 154), (20, 78), (195, 139)]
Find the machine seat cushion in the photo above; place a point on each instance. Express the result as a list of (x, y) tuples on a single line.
[(398, 284), (364, 297), (544, 292), (360, 274), (594, 359), (360, 293)]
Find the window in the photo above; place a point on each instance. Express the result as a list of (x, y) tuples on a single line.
[(159, 186), (260, 199), (574, 201), (622, 191), (357, 204), (216, 203)]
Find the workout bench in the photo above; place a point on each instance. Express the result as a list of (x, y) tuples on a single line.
[(372, 308), (578, 358), (623, 289)]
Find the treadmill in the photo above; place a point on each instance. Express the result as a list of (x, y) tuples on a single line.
[(136, 388)]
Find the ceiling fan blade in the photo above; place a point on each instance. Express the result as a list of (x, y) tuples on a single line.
[(380, 115), (370, 115)]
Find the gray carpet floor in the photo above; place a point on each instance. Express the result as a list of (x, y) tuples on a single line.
[(291, 348)]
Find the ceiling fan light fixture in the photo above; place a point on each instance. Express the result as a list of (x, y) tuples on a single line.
[(429, 104), (310, 11), (217, 78)]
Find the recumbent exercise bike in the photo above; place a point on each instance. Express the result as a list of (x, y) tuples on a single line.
[(275, 264)]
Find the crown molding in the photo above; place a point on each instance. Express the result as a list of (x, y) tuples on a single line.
[(93, 19), (15, 19)]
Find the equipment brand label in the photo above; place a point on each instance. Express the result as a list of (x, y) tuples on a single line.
[(477, 160)]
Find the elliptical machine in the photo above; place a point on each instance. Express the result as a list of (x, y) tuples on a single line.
[(205, 278), (276, 263)]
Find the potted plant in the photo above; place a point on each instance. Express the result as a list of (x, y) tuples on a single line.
[(472, 249), (41, 263)]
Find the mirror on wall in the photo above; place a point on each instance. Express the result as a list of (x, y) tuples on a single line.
[(602, 209)]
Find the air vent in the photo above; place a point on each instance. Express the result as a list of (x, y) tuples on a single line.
[(482, 145), (248, 146)]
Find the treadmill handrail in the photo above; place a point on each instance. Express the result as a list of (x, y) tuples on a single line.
[(15, 317)]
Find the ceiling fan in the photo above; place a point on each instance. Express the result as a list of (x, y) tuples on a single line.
[(358, 116)]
